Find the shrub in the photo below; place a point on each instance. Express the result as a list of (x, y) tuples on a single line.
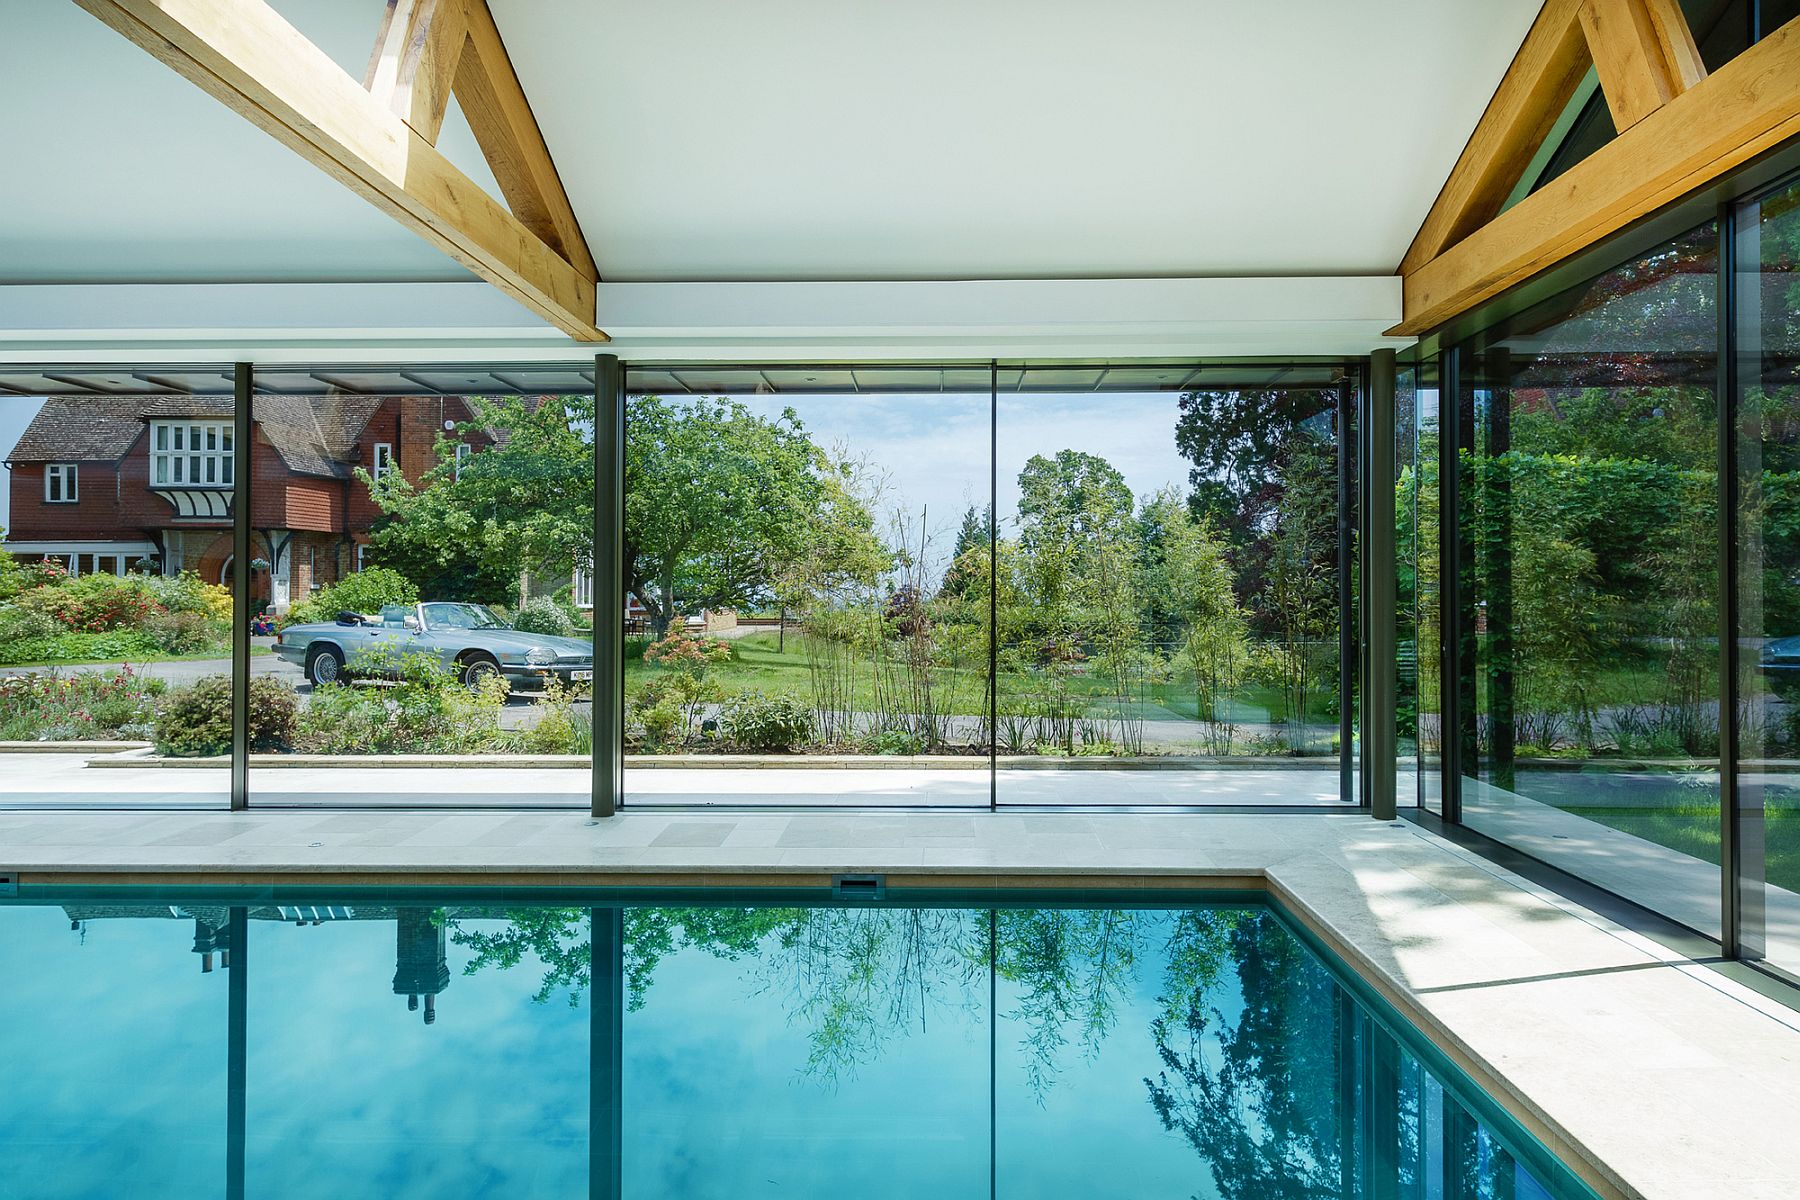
[(664, 725), (893, 741), (560, 728), (85, 704), (186, 593), (96, 603), (119, 646), (541, 615), (185, 632), (763, 723), (425, 710), (195, 721), (364, 592), (25, 625), (680, 651)]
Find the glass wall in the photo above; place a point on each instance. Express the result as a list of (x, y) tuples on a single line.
[(417, 538), (1169, 587), (1418, 714), (807, 587), (1590, 524), (1767, 376), (840, 587), (116, 604)]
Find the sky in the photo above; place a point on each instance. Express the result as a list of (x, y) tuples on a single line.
[(934, 449), (15, 414)]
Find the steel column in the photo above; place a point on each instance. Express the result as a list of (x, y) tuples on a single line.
[(608, 567), (1380, 646), (242, 467)]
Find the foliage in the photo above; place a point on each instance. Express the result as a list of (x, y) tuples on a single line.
[(541, 615), (83, 705), (762, 723), (425, 709), (195, 720), (12, 575), (119, 646), (185, 632), (561, 728), (364, 591), (718, 503)]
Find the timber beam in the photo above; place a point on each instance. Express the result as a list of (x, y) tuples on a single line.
[(373, 138), (1679, 130)]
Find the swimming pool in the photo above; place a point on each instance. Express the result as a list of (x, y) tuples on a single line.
[(412, 1043)]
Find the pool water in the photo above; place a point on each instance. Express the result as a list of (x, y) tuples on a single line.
[(410, 1044)]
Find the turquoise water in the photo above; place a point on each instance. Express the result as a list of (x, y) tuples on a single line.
[(405, 1044)]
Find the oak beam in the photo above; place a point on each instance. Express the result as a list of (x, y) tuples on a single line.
[(245, 55), (1748, 106), (415, 61), (1644, 53), (1532, 94), (500, 116)]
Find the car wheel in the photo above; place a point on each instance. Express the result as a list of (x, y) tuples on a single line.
[(476, 668), (324, 664)]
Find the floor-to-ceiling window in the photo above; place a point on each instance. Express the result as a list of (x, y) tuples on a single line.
[(1589, 515), (116, 608), (1418, 716), (1169, 585), (1766, 282), (806, 585), (418, 537)]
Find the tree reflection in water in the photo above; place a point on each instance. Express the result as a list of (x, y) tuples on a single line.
[(1260, 1061)]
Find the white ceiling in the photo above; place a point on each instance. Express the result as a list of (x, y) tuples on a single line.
[(958, 139), (117, 169)]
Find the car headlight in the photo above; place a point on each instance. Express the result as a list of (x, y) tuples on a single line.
[(537, 656)]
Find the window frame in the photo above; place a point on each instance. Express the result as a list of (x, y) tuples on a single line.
[(175, 460), (69, 476), (460, 456), (382, 461)]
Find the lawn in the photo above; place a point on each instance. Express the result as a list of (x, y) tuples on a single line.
[(771, 664), (1693, 830), (135, 660)]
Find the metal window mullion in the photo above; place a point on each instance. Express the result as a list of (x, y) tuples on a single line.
[(1347, 664), (1380, 736), (243, 377), (1450, 587), (1726, 410), (993, 521), (608, 536)]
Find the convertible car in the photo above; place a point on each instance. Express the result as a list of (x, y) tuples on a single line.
[(465, 637)]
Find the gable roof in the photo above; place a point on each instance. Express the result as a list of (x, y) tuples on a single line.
[(314, 435)]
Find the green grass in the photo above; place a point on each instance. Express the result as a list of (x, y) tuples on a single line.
[(1694, 830), (761, 660), (133, 659)]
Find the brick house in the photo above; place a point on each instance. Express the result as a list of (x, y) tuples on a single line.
[(109, 483)]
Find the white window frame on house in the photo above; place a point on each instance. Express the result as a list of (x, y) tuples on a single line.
[(191, 454), (381, 462), (362, 552), (463, 450), (62, 483)]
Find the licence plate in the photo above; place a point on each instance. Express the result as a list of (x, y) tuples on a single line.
[(581, 676)]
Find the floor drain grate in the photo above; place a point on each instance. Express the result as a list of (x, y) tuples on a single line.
[(858, 887)]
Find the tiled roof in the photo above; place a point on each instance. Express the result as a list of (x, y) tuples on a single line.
[(313, 435)]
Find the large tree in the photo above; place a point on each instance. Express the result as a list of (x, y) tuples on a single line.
[(718, 500)]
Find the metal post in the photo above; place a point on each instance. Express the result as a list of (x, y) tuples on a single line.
[(609, 584), (606, 1049), (1347, 639), (993, 582), (1452, 676), (242, 467), (1381, 650), (236, 1051)]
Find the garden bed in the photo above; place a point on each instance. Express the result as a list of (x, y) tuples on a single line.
[(889, 762)]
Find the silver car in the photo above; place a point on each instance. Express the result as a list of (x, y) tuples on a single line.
[(467, 638)]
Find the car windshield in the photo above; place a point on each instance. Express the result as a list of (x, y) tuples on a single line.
[(460, 616)]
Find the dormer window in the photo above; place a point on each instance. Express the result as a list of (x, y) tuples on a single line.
[(62, 483), (190, 454)]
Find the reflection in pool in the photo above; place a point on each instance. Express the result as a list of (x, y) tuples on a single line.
[(402, 1044)]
